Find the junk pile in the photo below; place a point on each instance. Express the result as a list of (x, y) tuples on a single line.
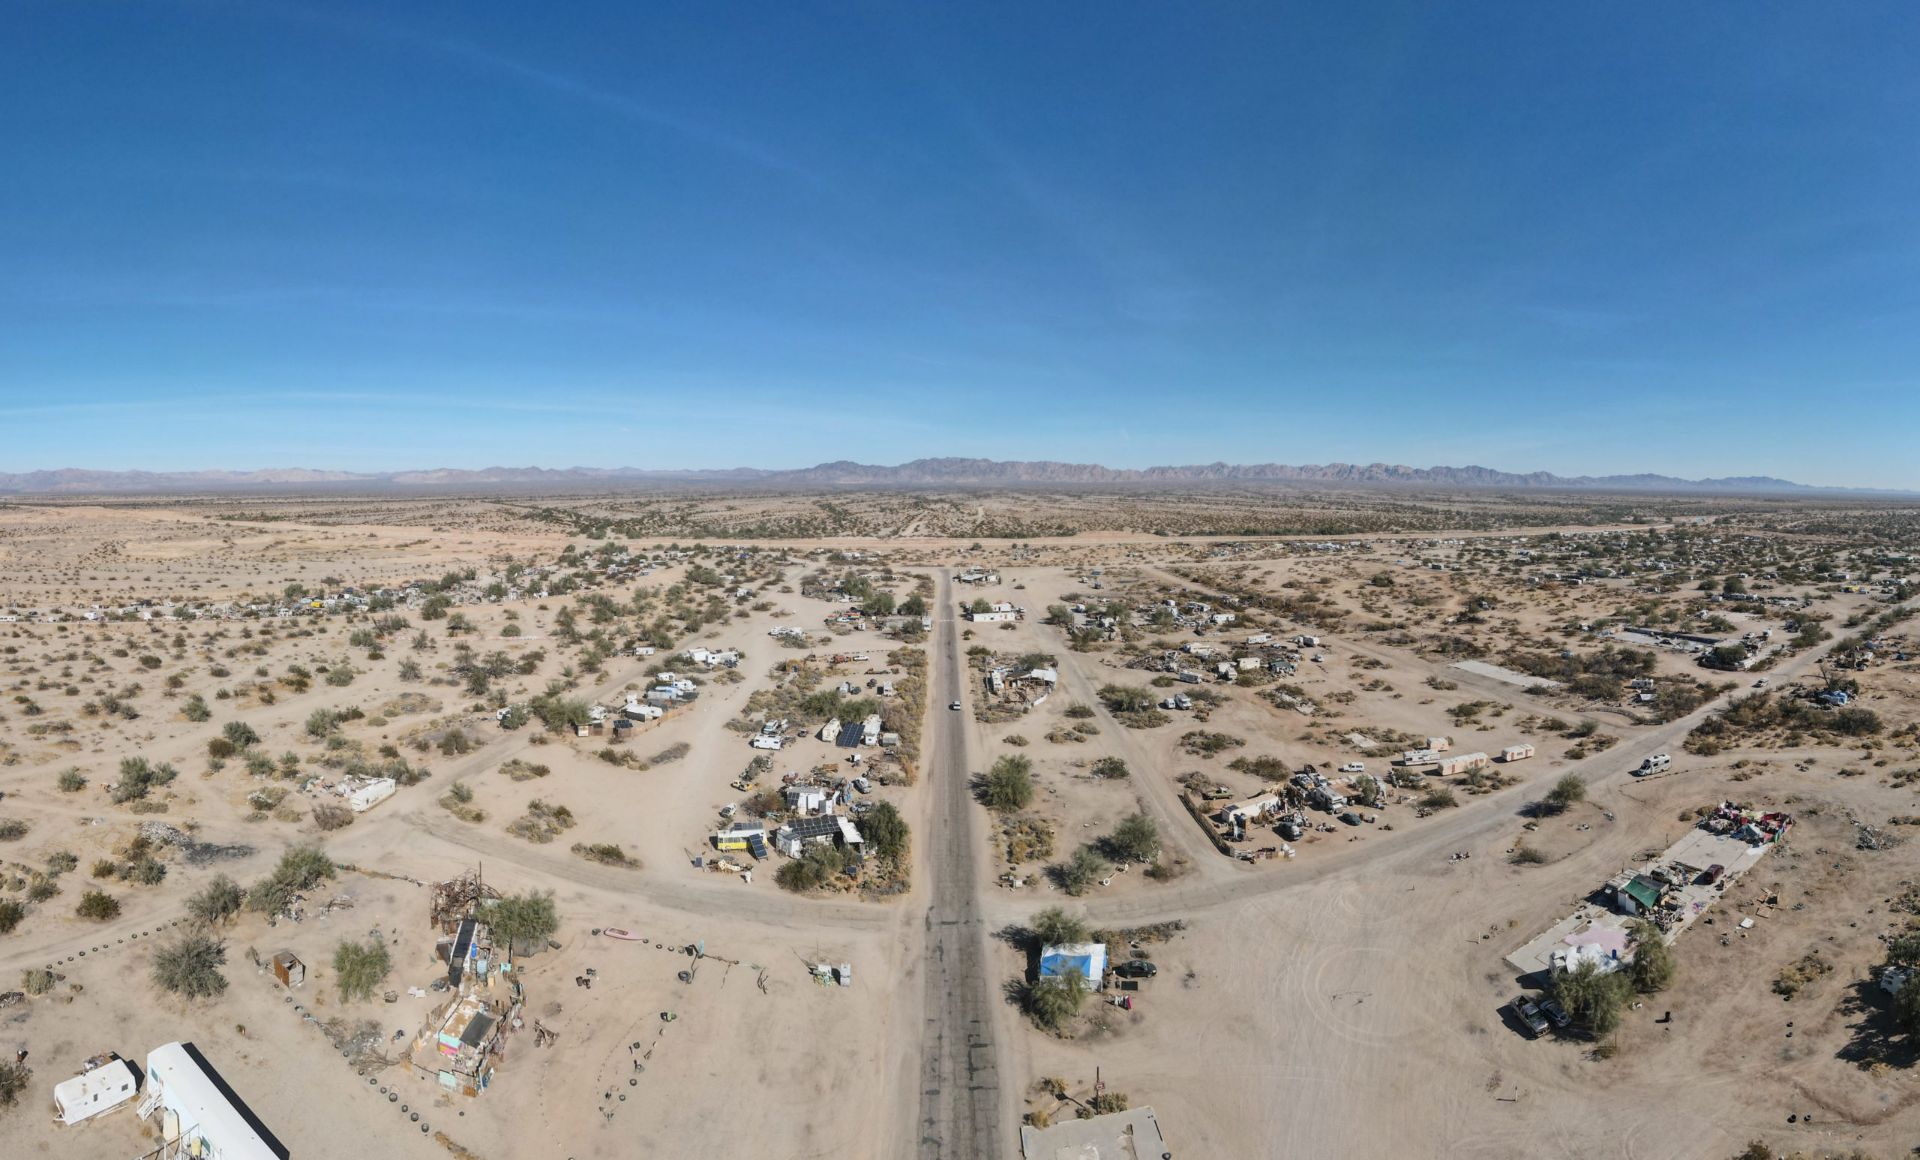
[(192, 851), (1746, 824)]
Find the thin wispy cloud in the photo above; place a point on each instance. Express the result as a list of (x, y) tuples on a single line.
[(491, 61)]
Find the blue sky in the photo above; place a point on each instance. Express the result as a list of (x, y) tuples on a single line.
[(1622, 237)]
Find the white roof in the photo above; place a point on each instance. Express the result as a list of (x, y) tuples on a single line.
[(102, 1089), (203, 1107), (1130, 1135)]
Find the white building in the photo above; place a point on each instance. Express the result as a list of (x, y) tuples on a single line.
[(371, 794), (100, 1090), (200, 1116)]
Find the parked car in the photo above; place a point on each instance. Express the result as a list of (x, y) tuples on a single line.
[(1354, 767), (1136, 969), (1535, 1021), (1351, 818), (1554, 1011), (955, 706)]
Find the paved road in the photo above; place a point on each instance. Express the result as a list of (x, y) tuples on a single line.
[(960, 1083)]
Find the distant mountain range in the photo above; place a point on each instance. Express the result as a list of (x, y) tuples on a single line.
[(846, 474)]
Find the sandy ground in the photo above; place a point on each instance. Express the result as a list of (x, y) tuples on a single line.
[(1344, 1003)]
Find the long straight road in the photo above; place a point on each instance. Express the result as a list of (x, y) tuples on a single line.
[(960, 1082)]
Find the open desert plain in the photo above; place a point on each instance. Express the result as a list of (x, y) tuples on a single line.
[(496, 832)]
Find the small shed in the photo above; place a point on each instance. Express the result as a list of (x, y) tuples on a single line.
[(288, 968)]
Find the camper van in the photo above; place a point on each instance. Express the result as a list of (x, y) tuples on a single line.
[(1654, 764)]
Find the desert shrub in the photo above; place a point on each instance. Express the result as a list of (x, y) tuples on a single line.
[(138, 778), (1009, 784), (217, 901), (1054, 927), (240, 734), (98, 905), (190, 966), (1268, 768), (13, 1080), (300, 868), (1053, 1003), (359, 967), (520, 770), (1438, 799), (12, 912), (1202, 743), (1126, 698), (815, 868), (1079, 873), (13, 829), (329, 816), (1135, 839), (542, 823), (1566, 793), (1797, 975), (36, 980), (605, 853), (1111, 768), (71, 780)]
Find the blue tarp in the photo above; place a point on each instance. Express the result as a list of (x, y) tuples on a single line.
[(1089, 960)]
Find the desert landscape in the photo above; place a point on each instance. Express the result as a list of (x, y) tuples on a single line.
[(822, 832)]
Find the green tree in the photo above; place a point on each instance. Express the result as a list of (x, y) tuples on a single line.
[(300, 869), (523, 919), (1053, 1003), (886, 832), (360, 967), (1594, 998), (190, 966), (1135, 839), (1080, 872), (1055, 927), (1009, 784), (1652, 966), (1566, 793), (1906, 1006), (217, 901)]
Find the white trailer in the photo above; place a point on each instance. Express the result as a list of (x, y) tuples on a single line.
[(1463, 763)]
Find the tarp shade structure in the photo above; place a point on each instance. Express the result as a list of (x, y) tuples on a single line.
[(1089, 960)]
